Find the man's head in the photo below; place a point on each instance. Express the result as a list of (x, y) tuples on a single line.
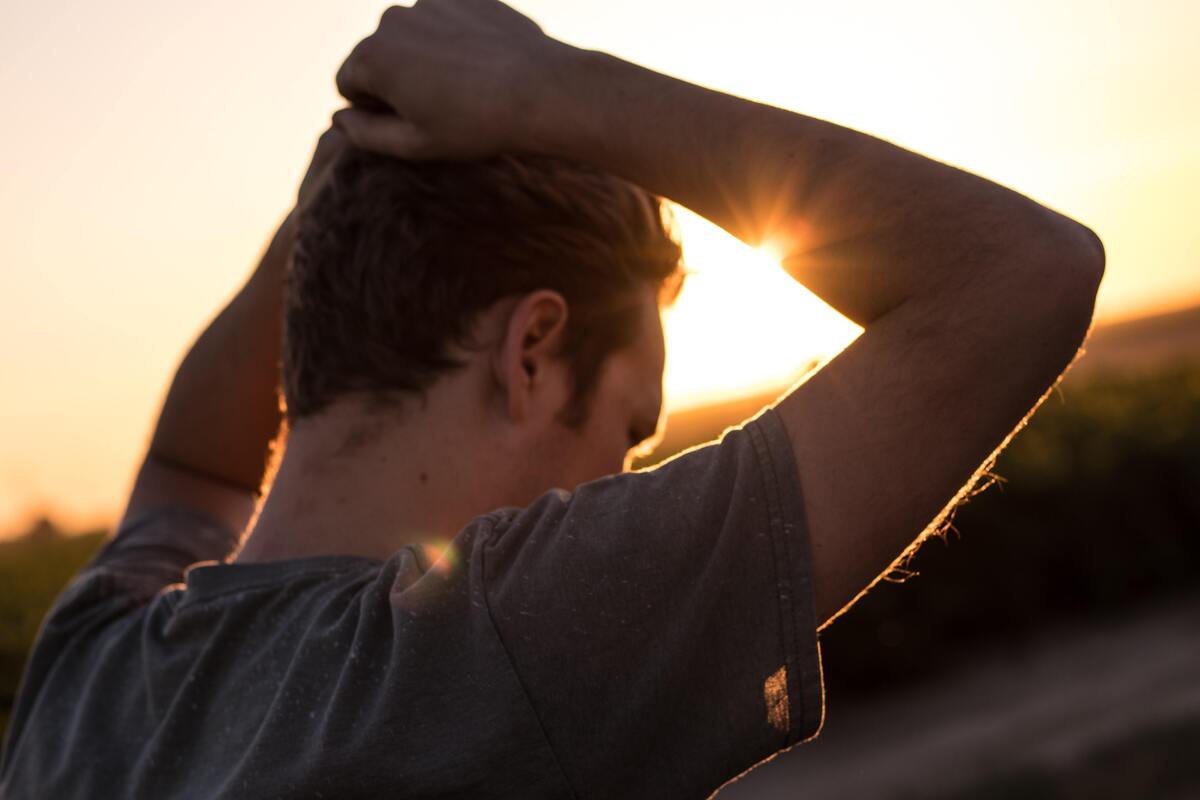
[(406, 274)]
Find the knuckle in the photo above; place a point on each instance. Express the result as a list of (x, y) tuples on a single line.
[(349, 83), (343, 77), (391, 14), (330, 139), (352, 74)]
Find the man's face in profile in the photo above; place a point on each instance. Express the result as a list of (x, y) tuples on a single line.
[(623, 411)]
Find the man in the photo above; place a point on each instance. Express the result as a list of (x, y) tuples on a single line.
[(576, 633)]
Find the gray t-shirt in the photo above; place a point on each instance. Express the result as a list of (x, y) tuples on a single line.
[(650, 634)]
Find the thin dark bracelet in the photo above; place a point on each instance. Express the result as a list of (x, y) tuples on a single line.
[(196, 473)]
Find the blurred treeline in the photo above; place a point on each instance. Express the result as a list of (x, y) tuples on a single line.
[(1098, 510), (33, 570)]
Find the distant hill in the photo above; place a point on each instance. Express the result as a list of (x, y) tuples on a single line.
[(1137, 346), (1142, 345)]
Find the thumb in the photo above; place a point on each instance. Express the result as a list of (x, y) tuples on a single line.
[(383, 132)]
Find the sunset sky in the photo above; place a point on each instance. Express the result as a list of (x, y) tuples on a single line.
[(149, 149)]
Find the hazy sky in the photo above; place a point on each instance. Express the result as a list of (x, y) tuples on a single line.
[(149, 148)]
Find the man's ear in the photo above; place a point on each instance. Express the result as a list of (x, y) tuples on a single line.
[(532, 337)]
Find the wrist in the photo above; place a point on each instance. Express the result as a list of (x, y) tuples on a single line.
[(613, 115), (557, 118)]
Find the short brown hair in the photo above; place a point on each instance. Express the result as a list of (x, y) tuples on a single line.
[(395, 259)]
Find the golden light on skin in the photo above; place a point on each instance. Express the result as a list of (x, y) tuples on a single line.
[(741, 323)]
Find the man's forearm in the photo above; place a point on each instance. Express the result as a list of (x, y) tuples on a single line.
[(222, 409), (863, 223)]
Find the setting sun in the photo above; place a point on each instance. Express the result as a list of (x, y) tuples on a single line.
[(741, 323)]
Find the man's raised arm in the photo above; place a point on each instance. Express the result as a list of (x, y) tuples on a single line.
[(210, 446), (974, 297)]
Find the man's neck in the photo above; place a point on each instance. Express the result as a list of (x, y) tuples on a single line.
[(345, 487)]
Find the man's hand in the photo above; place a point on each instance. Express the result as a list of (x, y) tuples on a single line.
[(454, 79)]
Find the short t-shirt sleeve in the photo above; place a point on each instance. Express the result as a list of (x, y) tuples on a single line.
[(154, 549), (662, 622), (147, 553)]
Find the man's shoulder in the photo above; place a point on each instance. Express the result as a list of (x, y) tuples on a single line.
[(266, 668)]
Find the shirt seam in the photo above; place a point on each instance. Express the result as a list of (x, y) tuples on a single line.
[(558, 762), (785, 592), (268, 585)]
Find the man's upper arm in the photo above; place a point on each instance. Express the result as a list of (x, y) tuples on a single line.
[(889, 433), (174, 518), (161, 484), (662, 621)]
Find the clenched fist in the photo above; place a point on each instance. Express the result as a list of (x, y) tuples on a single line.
[(455, 79)]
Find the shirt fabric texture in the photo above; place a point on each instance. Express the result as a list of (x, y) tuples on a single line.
[(650, 634)]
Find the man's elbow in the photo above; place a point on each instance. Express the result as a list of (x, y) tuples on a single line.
[(1061, 294), (1082, 266), (1088, 260)]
